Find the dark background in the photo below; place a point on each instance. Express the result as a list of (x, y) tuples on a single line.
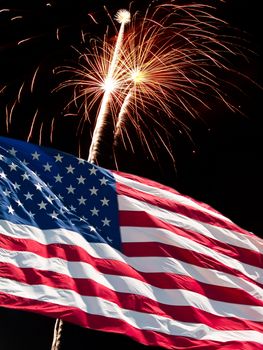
[(220, 164)]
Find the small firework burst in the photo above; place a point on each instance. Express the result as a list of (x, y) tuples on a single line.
[(123, 16)]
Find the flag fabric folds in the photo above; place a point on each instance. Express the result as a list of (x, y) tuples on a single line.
[(120, 253)]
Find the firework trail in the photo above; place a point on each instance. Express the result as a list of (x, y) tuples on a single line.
[(123, 17)]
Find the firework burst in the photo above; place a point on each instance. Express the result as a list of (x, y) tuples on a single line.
[(166, 62)]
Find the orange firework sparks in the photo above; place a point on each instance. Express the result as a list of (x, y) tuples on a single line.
[(168, 62), (163, 61), (110, 85)]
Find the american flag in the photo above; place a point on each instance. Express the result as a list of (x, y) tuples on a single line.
[(120, 253)]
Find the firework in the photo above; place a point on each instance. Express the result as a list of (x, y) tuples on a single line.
[(109, 85), (168, 61), (36, 36)]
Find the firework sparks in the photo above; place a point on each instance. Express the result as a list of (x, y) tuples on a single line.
[(35, 42), (166, 60), (110, 84), (167, 64)]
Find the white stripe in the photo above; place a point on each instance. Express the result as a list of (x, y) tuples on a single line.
[(221, 234), (60, 236), (158, 192), (122, 284), (152, 234), (147, 264), (139, 320), (203, 275)]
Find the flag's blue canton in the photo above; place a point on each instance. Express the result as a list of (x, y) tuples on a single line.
[(51, 189)]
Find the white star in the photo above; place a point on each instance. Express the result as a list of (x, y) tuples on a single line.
[(105, 201), (2, 157), (109, 239), (16, 186), (28, 195), (81, 161), (10, 209), (72, 208), (93, 190), (42, 205), (94, 211), (58, 158), (47, 167), (12, 166), (6, 192), (70, 169), (38, 186), (25, 162), (25, 176), (54, 215), (35, 155), (103, 181), (83, 218), (3, 175), (81, 179), (12, 151), (71, 189), (31, 214), (82, 200), (106, 222), (93, 171), (19, 203), (92, 229), (60, 197), (58, 178)]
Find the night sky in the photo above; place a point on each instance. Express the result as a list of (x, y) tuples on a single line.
[(218, 162)]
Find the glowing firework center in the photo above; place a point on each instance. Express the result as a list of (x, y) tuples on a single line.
[(138, 76)]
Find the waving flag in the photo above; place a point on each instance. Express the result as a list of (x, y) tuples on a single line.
[(119, 253)]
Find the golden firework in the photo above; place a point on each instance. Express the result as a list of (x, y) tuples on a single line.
[(164, 61)]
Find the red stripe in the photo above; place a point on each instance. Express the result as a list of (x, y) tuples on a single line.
[(157, 185), (88, 287), (148, 182), (173, 280), (108, 324), (152, 249), (143, 219), (69, 253), (178, 208), (225, 294), (113, 267)]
